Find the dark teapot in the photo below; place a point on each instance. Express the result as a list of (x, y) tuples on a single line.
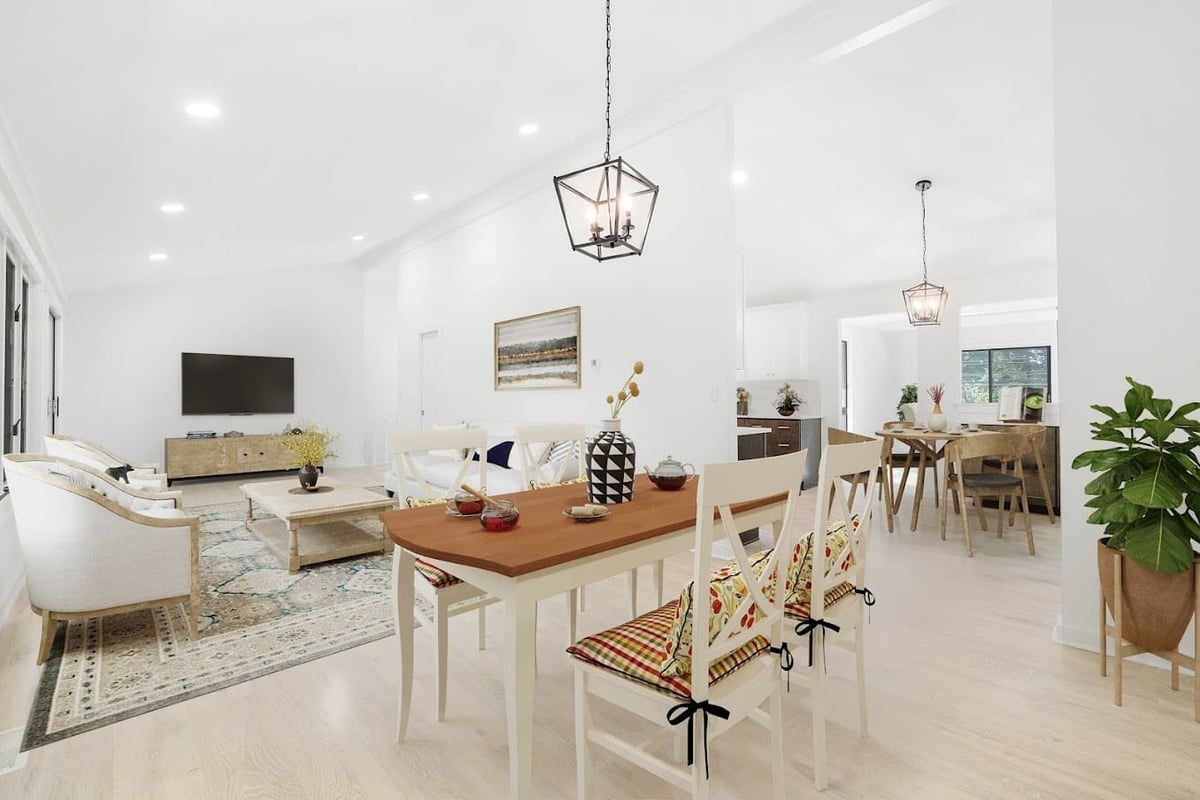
[(670, 474)]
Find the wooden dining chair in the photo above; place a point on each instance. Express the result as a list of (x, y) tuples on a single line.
[(446, 595), (838, 436), (827, 594), (1006, 448), (1033, 439), (655, 668)]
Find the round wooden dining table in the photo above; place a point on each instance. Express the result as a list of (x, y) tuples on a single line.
[(925, 444)]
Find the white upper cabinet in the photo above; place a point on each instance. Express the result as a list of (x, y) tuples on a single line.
[(776, 341)]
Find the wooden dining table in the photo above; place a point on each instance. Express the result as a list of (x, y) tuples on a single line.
[(545, 555), (925, 443)]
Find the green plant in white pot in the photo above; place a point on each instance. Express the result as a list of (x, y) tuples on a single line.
[(1147, 496)]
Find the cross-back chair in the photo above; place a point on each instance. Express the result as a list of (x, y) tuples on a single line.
[(1006, 448), (883, 479), (553, 454), (447, 595), (736, 644), (829, 594)]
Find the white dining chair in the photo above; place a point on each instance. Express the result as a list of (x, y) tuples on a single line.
[(737, 647), (446, 595), (828, 594)]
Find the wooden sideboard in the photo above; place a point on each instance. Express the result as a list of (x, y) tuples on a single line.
[(225, 455), (790, 436)]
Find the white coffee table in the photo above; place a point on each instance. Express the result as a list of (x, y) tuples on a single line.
[(313, 527)]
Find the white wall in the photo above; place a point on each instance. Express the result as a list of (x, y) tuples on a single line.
[(763, 395), (672, 308), (882, 361), (22, 238), (1127, 116), (381, 334), (122, 383)]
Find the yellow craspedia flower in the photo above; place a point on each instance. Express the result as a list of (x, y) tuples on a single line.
[(638, 367), (633, 390), (608, 399), (622, 396)]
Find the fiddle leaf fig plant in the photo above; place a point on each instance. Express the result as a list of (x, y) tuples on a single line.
[(1147, 492)]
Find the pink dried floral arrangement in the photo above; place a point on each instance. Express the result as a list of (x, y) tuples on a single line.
[(937, 392)]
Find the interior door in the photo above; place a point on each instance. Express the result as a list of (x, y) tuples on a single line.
[(430, 356)]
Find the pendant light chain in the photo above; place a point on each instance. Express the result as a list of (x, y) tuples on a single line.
[(607, 78), (924, 241)]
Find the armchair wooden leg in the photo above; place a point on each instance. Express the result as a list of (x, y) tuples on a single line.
[(49, 628)]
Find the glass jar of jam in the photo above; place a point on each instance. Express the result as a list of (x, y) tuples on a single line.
[(499, 516)]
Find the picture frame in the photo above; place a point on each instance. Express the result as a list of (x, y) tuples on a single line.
[(539, 351)]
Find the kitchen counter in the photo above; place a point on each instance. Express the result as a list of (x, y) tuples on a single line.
[(742, 430)]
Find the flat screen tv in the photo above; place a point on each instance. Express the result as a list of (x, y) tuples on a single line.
[(226, 384)]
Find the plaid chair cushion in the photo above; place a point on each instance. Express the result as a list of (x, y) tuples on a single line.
[(801, 611), (635, 650), (437, 577), (727, 589)]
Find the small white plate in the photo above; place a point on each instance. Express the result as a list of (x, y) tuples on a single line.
[(589, 518)]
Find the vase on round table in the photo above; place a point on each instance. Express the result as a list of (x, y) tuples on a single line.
[(937, 420), (308, 477), (611, 465)]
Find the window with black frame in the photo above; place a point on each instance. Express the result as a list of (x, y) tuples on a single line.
[(986, 372)]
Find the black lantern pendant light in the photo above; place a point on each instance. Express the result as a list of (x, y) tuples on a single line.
[(925, 301), (607, 207)]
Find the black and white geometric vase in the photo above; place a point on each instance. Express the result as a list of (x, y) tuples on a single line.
[(611, 465)]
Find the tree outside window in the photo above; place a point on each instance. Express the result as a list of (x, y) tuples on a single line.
[(986, 372)]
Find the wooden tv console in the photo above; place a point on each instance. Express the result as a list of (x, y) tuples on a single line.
[(226, 455)]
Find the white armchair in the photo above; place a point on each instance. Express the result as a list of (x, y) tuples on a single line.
[(94, 547), (100, 458)]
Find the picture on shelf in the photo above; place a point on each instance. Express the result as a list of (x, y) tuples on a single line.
[(540, 351)]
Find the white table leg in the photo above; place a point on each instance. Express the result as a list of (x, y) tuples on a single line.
[(519, 646), (403, 568)]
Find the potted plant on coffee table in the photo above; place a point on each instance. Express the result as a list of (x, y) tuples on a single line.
[(309, 450), (1147, 496)]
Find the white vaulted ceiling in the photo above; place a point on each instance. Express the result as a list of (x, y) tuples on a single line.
[(336, 113)]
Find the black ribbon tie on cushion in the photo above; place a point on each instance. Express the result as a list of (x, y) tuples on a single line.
[(868, 599), (686, 712), (120, 473), (786, 661), (809, 626)]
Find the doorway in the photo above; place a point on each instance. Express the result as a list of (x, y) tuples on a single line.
[(430, 371)]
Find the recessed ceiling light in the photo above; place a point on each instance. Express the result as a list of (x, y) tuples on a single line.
[(158, 256), (202, 109), (528, 129), (739, 177), (171, 208), (421, 197), (358, 237)]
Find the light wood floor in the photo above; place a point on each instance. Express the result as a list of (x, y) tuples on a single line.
[(969, 698)]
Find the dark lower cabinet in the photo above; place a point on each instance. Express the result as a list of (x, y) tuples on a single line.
[(790, 436)]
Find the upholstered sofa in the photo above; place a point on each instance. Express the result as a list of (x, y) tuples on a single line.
[(100, 458)]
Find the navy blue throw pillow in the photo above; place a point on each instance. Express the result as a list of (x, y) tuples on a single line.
[(498, 454)]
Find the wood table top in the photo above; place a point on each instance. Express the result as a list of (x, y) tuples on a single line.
[(277, 497), (544, 537)]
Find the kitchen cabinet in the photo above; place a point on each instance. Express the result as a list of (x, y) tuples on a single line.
[(775, 341)]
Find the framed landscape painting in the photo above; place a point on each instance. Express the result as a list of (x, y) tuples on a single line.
[(540, 351)]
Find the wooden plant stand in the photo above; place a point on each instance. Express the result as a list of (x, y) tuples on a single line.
[(1124, 650)]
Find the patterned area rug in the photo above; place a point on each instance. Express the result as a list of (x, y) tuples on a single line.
[(255, 618)]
